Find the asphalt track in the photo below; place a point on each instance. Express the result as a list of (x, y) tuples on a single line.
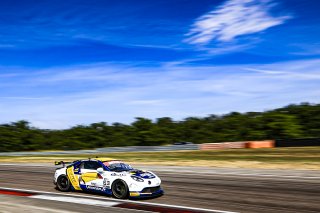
[(214, 189)]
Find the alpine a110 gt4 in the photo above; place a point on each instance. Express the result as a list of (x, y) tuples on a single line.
[(110, 177)]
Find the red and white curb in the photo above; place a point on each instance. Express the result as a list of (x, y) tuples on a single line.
[(105, 201)]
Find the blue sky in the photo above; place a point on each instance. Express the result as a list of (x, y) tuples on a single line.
[(64, 63)]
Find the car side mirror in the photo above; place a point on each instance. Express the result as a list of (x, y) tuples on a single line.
[(100, 170)]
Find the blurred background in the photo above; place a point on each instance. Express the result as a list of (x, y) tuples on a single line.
[(219, 97), (291, 122)]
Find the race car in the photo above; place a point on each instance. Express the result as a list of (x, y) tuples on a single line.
[(107, 176)]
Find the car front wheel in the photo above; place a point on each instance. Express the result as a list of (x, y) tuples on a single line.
[(120, 189)]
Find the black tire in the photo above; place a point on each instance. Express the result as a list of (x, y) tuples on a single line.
[(120, 189), (63, 183)]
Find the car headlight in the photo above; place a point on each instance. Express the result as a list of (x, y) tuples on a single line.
[(137, 178)]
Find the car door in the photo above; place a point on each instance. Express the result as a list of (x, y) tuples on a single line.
[(89, 175)]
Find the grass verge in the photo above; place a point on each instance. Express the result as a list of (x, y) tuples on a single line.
[(272, 158)]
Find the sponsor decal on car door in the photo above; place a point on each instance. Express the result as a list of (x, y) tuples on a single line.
[(73, 178)]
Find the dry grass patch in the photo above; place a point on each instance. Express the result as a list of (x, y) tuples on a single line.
[(281, 158)]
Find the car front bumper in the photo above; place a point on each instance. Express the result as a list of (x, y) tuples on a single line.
[(147, 192)]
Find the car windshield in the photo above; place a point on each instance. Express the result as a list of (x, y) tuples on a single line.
[(118, 166)]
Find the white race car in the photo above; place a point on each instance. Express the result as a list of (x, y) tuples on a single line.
[(111, 177)]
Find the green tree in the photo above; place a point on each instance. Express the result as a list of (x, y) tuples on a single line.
[(292, 121)]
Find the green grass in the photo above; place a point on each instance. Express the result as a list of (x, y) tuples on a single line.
[(298, 156), (271, 154)]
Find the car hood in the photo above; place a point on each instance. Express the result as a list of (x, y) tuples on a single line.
[(142, 174)]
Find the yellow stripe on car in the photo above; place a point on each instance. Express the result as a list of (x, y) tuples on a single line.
[(89, 176), (133, 194), (73, 178)]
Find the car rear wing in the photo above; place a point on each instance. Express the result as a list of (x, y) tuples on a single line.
[(57, 163)]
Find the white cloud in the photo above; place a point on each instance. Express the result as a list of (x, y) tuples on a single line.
[(232, 19), (118, 94), (270, 72)]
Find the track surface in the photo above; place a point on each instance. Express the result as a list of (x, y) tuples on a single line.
[(212, 190)]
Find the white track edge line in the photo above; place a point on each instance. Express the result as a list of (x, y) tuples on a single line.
[(120, 201), (69, 199)]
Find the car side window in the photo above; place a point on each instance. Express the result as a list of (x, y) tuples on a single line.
[(93, 165), (82, 165)]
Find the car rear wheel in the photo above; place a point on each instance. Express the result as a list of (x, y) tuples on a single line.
[(120, 189), (63, 183)]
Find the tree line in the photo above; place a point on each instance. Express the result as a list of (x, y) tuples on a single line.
[(293, 121)]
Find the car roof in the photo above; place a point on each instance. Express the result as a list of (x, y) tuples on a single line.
[(106, 159)]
